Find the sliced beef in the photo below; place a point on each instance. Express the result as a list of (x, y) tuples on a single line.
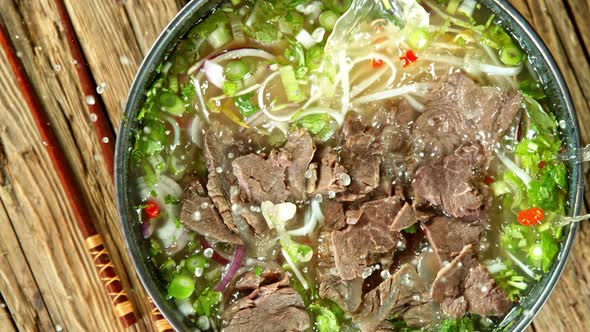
[(361, 157), (382, 210), (334, 217), (260, 179), (330, 173), (406, 217), (419, 315), (346, 293), (255, 220), (464, 111), (273, 308), (357, 246), (200, 215), (219, 183), (465, 285), (301, 149), (404, 288), (248, 281), (449, 236), (451, 184)]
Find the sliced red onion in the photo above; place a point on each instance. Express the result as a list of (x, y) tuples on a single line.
[(146, 228), (236, 262), (216, 256)]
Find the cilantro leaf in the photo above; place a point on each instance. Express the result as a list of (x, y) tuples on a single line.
[(245, 105)]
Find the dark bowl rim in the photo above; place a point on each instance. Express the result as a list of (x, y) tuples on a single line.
[(171, 34)]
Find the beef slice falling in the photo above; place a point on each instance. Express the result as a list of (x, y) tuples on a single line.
[(220, 177), (466, 286), (260, 179), (451, 185), (449, 236), (301, 150), (199, 214), (462, 111), (361, 157), (273, 308), (402, 289)]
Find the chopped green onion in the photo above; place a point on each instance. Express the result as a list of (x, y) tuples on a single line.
[(315, 56), (511, 55), (181, 287), (236, 2), (194, 262), (173, 83), (328, 20), (290, 84), (230, 88), (172, 103), (235, 70), (418, 39), (338, 6), (452, 6), (219, 37)]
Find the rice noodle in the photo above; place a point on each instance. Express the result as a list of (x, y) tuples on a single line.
[(418, 106), (247, 90), (176, 130), (199, 94), (295, 269), (231, 55), (514, 168), (195, 132), (363, 85), (522, 265), (344, 81), (382, 57), (469, 66)]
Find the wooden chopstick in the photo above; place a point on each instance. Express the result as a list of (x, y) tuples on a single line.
[(94, 242), (101, 123)]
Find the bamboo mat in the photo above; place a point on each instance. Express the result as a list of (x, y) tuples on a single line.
[(47, 279)]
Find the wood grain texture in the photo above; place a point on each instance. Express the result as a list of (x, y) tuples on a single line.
[(46, 277)]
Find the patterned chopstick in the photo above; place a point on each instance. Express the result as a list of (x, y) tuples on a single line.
[(94, 242)]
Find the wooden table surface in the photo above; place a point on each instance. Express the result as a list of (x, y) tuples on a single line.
[(47, 280)]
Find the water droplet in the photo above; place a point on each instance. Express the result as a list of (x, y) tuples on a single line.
[(58, 328), (74, 61), (331, 194), (367, 272), (203, 323), (90, 100), (198, 272), (100, 88), (385, 274), (345, 179), (93, 117), (208, 253), (318, 198), (57, 68), (219, 170), (124, 60), (562, 124), (105, 140), (308, 174), (197, 216), (230, 155), (204, 205)]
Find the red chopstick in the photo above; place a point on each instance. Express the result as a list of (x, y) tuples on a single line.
[(94, 242), (100, 120), (95, 104)]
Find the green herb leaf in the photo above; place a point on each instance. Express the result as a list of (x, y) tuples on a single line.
[(206, 302), (410, 230), (325, 319), (245, 105)]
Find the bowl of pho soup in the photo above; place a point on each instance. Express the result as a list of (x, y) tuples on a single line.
[(348, 166)]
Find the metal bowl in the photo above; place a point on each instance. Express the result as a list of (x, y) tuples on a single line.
[(543, 63)]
